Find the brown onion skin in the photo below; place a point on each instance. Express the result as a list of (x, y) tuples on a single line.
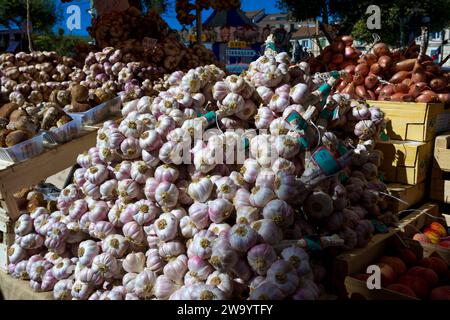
[(405, 65), (362, 68), (400, 76), (438, 84), (429, 92), (326, 56), (341, 86), (350, 89), (375, 68), (358, 79), (332, 66), (370, 81), (368, 59), (401, 97), (427, 98), (407, 81), (415, 90), (444, 97), (337, 59), (422, 85), (348, 40), (401, 87), (361, 92), (433, 68), (381, 49), (385, 62), (349, 53), (371, 95), (387, 90), (350, 68), (419, 77), (338, 46), (378, 89)]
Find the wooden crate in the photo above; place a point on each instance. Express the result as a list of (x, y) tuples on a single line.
[(358, 261), (440, 184), (405, 162), (359, 287), (413, 222), (344, 264), (419, 220), (410, 120), (34, 170), (442, 151), (410, 194)]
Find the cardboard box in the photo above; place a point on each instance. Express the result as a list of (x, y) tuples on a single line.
[(411, 120), (440, 184), (442, 151), (409, 194), (405, 161)]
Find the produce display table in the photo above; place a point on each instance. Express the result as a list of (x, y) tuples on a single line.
[(14, 289), (15, 176), (32, 171)]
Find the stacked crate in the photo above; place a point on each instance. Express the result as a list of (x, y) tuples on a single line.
[(408, 153), (440, 176)]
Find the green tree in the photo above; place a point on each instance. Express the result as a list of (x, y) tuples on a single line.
[(400, 19), (43, 14)]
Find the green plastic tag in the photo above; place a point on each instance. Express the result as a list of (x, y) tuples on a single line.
[(246, 143), (325, 89), (379, 226), (342, 149), (335, 114), (326, 114), (343, 177), (384, 136), (335, 74), (313, 244), (326, 162), (304, 144), (210, 117), (297, 121)]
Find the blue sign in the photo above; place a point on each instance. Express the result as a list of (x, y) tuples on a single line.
[(75, 17)]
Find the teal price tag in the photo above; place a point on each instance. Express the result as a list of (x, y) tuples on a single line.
[(325, 89), (246, 143), (343, 177), (335, 116), (326, 114), (326, 162), (342, 149), (335, 74), (384, 136), (297, 121), (312, 243), (304, 144), (210, 117), (379, 226)]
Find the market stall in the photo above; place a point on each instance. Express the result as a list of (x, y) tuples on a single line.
[(189, 182)]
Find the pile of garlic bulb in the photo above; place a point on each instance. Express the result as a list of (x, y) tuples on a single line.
[(157, 211)]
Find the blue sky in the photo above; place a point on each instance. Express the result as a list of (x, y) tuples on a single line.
[(170, 16), (246, 5)]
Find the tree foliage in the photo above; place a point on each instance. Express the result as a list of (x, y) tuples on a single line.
[(400, 19), (43, 14), (64, 45)]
